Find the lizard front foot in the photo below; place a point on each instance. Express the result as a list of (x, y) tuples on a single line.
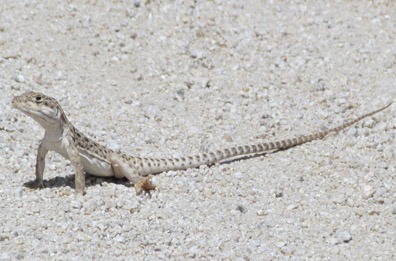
[(80, 187)]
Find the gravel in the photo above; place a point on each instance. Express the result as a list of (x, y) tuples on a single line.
[(172, 78)]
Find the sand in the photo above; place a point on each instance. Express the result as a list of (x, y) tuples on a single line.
[(173, 78)]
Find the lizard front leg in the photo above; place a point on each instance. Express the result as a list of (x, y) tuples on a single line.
[(75, 159), (122, 168), (40, 165)]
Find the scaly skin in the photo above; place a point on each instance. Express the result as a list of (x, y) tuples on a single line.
[(87, 155)]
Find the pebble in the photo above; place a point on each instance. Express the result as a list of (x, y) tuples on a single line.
[(114, 59), (368, 191), (114, 145), (239, 175), (261, 212), (86, 21), (181, 93), (5, 256), (278, 193), (59, 75), (281, 244), (75, 205), (241, 209), (343, 236), (120, 239), (19, 192), (352, 132), (20, 78)]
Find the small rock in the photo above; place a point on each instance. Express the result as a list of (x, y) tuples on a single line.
[(368, 191), (227, 138), (198, 54), (338, 198), (320, 85), (109, 204), (86, 21), (278, 194), (238, 175), (281, 244), (20, 78), (58, 75), (75, 205), (38, 78), (352, 131), (369, 123), (261, 212), (172, 173), (373, 212), (241, 209), (333, 241), (114, 59), (180, 93), (383, 165), (343, 236), (5, 256), (114, 146), (120, 239), (394, 210), (19, 191)]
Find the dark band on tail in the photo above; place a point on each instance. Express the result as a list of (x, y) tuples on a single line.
[(158, 165)]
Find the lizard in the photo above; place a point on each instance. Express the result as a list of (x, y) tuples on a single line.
[(91, 157)]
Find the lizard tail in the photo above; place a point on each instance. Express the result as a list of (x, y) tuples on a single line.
[(160, 165)]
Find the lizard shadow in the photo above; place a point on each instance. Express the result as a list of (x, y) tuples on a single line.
[(68, 181)]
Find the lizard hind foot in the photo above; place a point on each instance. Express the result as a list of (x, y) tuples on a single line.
[(144, 185), (123, 168)]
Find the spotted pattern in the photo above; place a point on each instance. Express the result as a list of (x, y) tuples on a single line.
[(36, 102)]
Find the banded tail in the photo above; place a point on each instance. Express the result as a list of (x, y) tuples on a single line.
[(146, 165)]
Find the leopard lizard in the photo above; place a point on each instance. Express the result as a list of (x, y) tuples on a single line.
[(89, 156)]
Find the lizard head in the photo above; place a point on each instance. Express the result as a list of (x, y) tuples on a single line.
[(43, 109)]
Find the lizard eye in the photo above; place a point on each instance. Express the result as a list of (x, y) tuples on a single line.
[(38, 99)]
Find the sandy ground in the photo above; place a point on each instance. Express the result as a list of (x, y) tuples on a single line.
[(172, 78)]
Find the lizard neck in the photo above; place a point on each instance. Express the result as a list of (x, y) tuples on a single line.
[(55, 132)]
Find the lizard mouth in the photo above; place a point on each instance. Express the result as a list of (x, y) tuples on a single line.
[(36, 115)]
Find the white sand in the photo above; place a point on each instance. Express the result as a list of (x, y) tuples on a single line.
[(172, 78)]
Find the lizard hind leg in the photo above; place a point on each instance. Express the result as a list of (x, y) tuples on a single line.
[(122, 168)]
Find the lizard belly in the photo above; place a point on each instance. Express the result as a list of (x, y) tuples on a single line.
[(96, 166), (92, 163)]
